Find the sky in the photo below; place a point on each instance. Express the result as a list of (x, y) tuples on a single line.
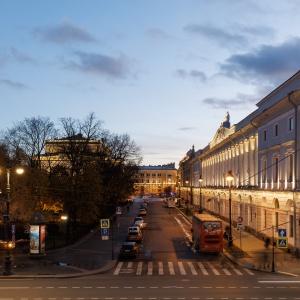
[(165, 72)]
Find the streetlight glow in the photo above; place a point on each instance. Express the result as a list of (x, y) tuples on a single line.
[(20, 171), (229, 176)]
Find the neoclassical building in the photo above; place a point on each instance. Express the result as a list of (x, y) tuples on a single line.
[(154, 179), (262, 153)]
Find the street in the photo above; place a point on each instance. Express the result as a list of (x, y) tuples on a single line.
[(165, 269)]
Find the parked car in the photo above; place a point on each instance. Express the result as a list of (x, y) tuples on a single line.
[(139, 221), (142, 212), (129, 249), (134, 234)]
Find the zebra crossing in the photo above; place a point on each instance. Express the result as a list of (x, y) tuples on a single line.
[(183, 268)]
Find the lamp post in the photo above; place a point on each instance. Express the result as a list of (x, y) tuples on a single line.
[(229, 179), (6, 219), (200, 200)]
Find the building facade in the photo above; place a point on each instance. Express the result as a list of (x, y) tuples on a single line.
[(261, 151), (154, 179)]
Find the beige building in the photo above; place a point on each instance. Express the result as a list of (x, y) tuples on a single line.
[(262, 153), (154, 179)]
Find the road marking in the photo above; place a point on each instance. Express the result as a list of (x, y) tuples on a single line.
[(248, 271), (129, 264), (193, 270), (100, 287), (226, 272), (215, 271), (87, 287), (160, 268), (150, 268), (62, 287), (139, 268), (181, 268), (114, 287), (14, 287), (140, 287), (171, 268), (235, 269), (153, 287), (118, 268), (279, 281), (127, 287), (202, 268)]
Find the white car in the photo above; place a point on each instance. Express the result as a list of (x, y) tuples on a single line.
[(139, 221)]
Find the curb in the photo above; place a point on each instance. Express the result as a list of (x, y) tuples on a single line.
[(110, 265)]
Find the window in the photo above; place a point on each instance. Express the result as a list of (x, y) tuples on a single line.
[(148, 175), (291, 226), (291, 168), (291, 123), (265, 135), (276, 220), (153, 174), (264, 170), (142, 174), (276, 130), (275, 169)]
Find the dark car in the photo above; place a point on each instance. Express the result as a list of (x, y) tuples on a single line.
[(129, 250), (142, 212)]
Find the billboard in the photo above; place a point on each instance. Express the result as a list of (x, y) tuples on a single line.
[(34, 239)]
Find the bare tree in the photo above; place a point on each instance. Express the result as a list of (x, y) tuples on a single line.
[(31, 135)]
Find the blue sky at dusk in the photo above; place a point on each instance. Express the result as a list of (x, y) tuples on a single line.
[(165, 72)]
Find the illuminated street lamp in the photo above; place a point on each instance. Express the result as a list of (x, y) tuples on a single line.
[(6, 219), (229, 179), (200, 200)]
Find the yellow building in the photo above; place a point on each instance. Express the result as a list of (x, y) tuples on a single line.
[(154, 179)]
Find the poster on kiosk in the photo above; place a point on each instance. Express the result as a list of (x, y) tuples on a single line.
[(37, 239)]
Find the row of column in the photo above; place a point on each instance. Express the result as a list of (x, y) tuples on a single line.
[(240, 158)]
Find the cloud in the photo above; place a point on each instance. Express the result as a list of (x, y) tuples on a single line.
[(20, 57), (64, 33), (271, 63), (99, 64), (239, 101), (199, 75), (157, 33), (13, 84), (219, 35), (232, 36), (186, 128)]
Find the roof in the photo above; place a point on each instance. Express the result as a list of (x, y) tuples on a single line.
[(206, 217), (170, 166)]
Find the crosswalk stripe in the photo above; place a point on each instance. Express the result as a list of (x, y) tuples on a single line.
[(202, 268), (181, 268), (235, 269), (139, 268), (129, 264), (118, 268), (248, 271), (160, 268), (215, 271), (193, 270), (171, 268), (150, 268), (226, 271)]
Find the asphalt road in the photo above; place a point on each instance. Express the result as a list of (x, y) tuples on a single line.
[(165, 269)]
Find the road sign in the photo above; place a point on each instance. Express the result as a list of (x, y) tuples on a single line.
[(282, 243), (240, 226), (118, 210), (240, 220), (105, 233), (104, 223), (282, 232)]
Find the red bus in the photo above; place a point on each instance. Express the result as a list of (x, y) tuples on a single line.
[(207, 233)]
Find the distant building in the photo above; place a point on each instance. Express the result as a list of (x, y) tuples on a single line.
[(154, 179)]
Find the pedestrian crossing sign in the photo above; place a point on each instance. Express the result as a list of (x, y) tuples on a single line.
[(282, 243), (104, 223)]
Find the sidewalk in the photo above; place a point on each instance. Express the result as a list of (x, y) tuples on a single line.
[(90, 255), (249, 251)]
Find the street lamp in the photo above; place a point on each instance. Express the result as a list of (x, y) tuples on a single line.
[(200, 200), (6, 218), (229, 179)]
